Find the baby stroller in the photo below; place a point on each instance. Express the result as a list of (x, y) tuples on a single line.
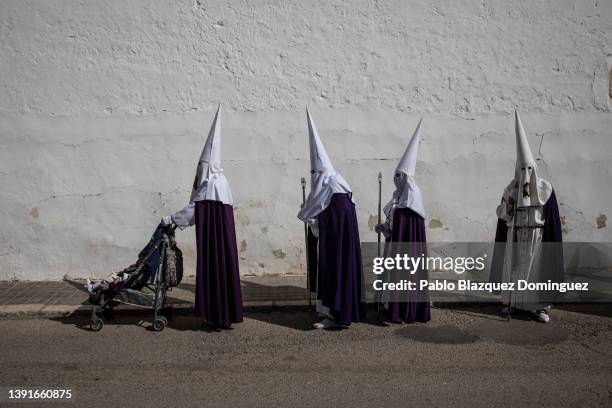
[(159, 268)]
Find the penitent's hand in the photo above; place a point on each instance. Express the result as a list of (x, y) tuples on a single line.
[(167, 220)]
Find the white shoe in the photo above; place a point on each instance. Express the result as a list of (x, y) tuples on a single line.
[(542, 316), (325, 324)]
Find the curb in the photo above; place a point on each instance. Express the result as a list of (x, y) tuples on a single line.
[(48, 311)]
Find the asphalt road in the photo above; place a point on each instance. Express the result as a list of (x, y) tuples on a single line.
[(464, 357)]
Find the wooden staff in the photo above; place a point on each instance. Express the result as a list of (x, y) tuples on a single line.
[(303, 183), (511, 273), (379, 206), (379, 221)]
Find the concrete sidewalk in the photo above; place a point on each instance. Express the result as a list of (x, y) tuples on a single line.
[(60, 298)]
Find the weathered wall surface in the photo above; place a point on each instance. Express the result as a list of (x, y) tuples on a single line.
[(104, 109)]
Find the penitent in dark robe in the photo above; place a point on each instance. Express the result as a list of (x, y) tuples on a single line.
[(218, 297), (334, 251), (404, 231), (528, 236)]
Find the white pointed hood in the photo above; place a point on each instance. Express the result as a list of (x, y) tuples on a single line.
[(526, 179), (210, 182), (324, 180), (407, 194), (407, 163)]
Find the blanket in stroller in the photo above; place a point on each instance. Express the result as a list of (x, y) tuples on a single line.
[(161, 248), (144, 270)]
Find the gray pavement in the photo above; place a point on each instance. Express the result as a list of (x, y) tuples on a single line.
[(467, 356), (60, 298)]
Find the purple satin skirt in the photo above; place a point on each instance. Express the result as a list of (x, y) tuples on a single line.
[(340, 283), (409, 227), (218, 299)]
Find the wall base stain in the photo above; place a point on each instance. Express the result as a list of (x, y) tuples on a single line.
[(435, 223), (601, 221), (279, 253)]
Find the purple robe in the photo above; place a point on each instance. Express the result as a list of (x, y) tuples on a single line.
[(409, 227), (552, 233), (218, 300), (340, 284)]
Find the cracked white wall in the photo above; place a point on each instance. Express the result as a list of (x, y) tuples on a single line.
[(105, 106)]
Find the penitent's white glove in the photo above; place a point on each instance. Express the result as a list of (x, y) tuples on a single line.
[(313, 223), (167, 220)]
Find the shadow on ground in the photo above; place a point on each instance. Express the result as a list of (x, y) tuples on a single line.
[(294, 317), (595, 309), (519, 332), (436, 334), (77, 285), (182, 319), (493, 310), (513, 332), (180, 322), (257, 292), (490, 311), (489, 325)]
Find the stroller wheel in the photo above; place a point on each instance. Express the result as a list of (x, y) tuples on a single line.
[(160, 323), (97, 324)]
